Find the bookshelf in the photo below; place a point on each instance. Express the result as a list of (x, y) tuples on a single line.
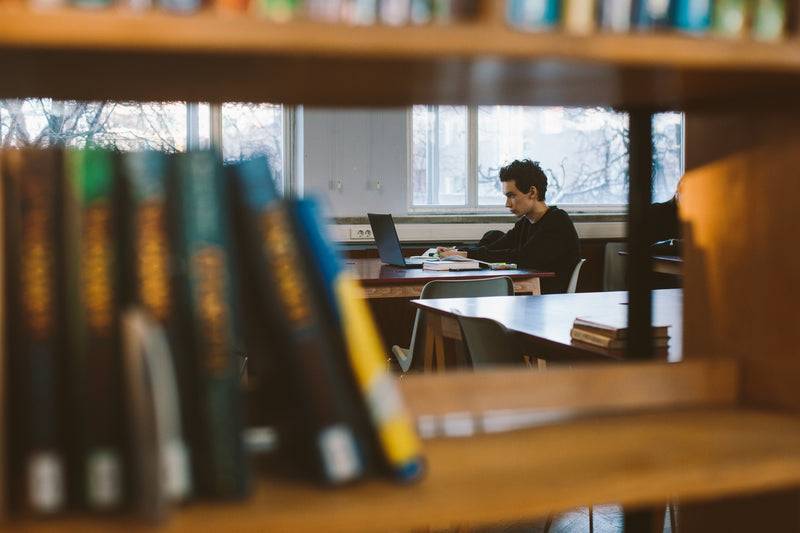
[(166, 57), (740, 291)]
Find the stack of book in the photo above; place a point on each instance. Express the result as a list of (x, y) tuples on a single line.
[(609, 333), (454, 262)]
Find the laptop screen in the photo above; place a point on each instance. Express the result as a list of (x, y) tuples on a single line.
[(386, 239)]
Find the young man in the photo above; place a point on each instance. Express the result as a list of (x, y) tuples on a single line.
[(543, 238)]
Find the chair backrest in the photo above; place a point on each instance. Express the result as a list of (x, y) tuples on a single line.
[(614, 266), (453, 288), (489, 343), (464, 288), (573, 280)]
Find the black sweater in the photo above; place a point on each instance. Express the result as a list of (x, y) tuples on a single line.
[(551, 245)]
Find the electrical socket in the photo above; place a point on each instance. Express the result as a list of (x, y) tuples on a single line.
[(360, 234)]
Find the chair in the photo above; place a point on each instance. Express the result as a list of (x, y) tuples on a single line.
[(448, 288), (489, 343), (573, 280), (614, 267)]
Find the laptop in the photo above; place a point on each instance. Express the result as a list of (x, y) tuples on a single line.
[(385, 233)]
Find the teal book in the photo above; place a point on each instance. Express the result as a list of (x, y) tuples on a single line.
[(321, 431), (692, 16), (35, 336), (534, 15), (149, 275), (209, 312), (399, 451), (652, 14), (90, 220)]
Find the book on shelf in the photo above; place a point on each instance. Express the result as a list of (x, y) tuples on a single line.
[(652, 14), (729, 18), (148, 282), (208, 298), (141, 343), (614, 325), (92, 285), (533, 15), (692, 16), (615, 15), (579, 16), (391, 426), (321, 428), (769, 20), (606, 341), (35, 349)]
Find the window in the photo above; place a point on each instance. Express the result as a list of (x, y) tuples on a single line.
[(457, 153), (249, 130), (242, 130)]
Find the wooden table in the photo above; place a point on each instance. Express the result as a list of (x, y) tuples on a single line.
[(664, 264), (385, 281), (544, 321), (667, 264)]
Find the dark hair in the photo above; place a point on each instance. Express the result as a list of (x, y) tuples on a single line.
[(526, 174)]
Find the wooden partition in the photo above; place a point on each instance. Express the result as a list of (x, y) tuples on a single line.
[(741, 293)]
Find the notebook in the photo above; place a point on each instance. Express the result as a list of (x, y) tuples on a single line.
[(388, 243)]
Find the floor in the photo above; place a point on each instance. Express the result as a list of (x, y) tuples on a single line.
[(605, 519)]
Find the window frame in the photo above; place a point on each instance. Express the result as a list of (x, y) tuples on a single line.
[(472, 207)]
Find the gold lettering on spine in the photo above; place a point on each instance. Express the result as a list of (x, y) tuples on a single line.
[(152, 260), (36, 262), (280, 251), (210, 276), (96, 262)]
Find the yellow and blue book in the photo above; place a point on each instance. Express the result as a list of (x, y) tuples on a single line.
[(393, 431)]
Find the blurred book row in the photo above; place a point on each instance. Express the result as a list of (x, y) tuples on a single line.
[(759, 19), (766, 20), (137, 287)]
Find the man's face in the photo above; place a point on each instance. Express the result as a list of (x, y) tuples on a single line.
[(520, 203)]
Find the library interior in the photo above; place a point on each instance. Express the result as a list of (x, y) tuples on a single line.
[(199, 332)]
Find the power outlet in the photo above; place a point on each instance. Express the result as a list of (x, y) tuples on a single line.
[(360, 234)]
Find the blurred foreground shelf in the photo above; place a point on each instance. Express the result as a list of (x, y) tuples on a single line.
[(633, 460), (628, 433)]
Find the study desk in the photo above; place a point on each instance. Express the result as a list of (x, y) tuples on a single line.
[(385, 281), (667, 264), (543, 322), (664, 264)]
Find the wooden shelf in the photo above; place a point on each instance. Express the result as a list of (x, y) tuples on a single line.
[(634, 460), (115, 54)]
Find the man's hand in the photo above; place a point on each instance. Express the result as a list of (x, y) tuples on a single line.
[(444, 251)]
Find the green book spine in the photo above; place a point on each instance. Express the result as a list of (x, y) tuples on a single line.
[(35, 326), (93, 287), (204, 248)]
